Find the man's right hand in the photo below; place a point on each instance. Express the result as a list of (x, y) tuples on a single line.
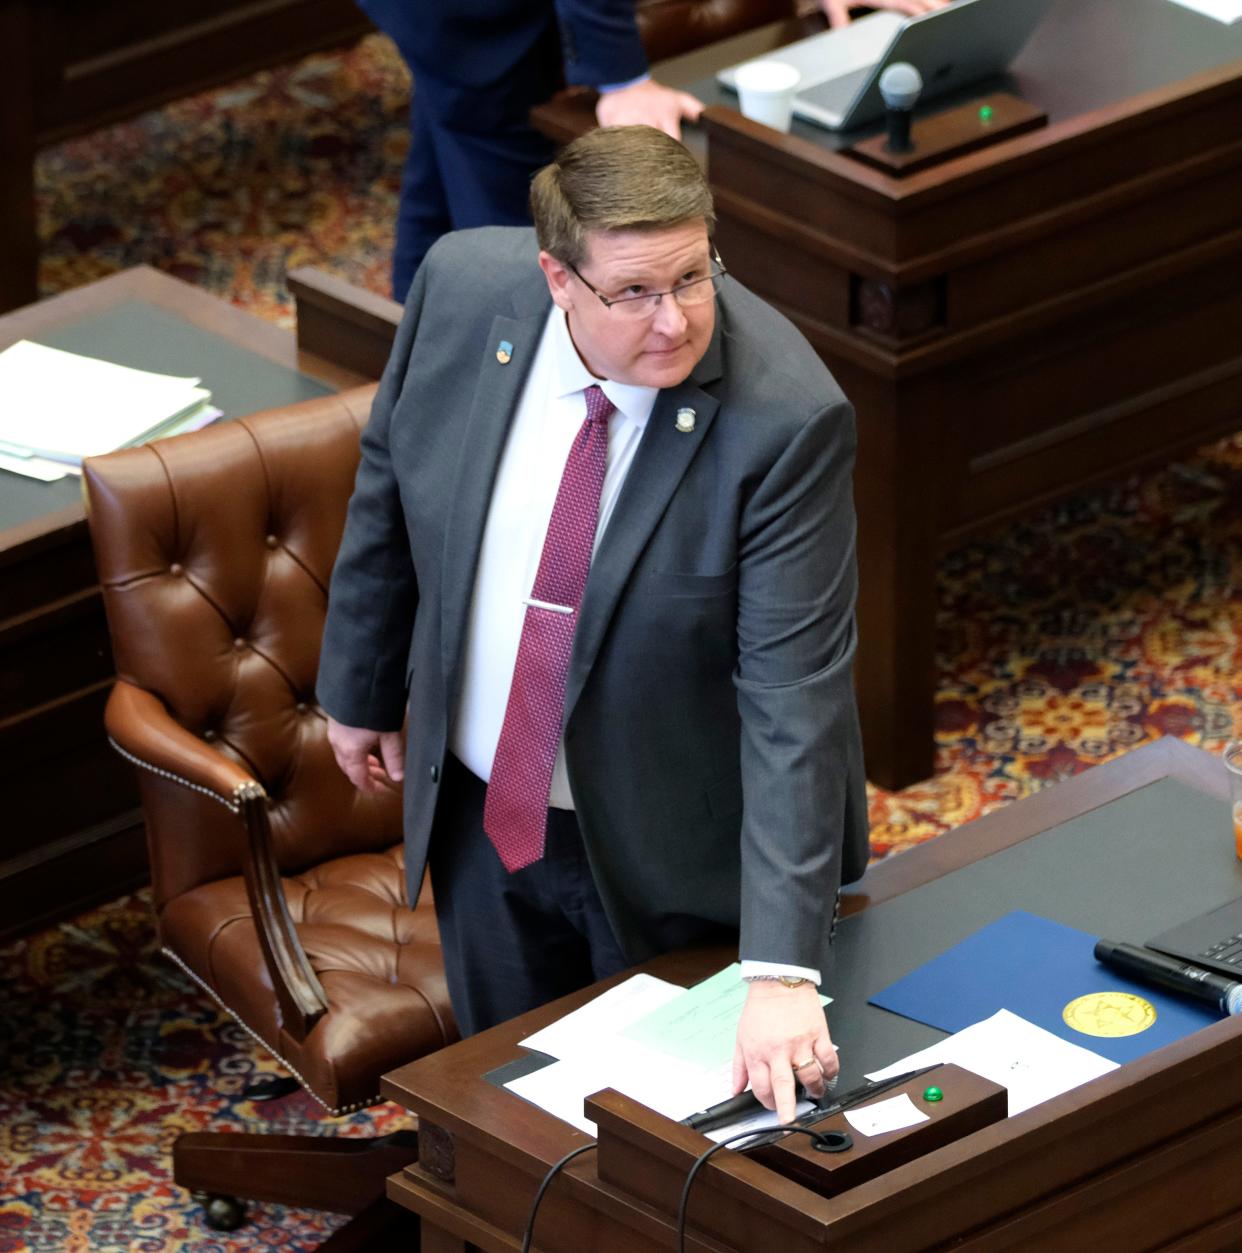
[(648, 103), (370, 760), (838, 11)]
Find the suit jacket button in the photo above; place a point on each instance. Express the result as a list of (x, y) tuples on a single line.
[(435, 774)]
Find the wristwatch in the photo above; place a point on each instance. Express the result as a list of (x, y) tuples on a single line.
[(790, 981)]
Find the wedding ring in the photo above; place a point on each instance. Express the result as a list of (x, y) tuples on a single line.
[(810, 1061)]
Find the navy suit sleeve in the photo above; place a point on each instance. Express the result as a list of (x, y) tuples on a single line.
[(599, 40)]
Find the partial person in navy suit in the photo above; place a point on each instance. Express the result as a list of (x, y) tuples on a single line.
[(480, 66)]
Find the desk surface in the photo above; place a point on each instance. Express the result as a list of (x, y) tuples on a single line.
[(1127, 847), (1125, 870), (1085, 55), (148, 320)]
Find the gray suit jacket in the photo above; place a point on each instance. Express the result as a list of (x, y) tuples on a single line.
[(710, 728)]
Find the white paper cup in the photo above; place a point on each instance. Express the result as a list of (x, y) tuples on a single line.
[(765, 91)]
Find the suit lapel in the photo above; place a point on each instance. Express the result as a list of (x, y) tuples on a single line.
[(658, 467), (496, 398)]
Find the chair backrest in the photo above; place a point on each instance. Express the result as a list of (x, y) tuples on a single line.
[(671, 27), (214, 551)]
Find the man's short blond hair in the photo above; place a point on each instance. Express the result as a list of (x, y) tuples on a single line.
[(616, 178)]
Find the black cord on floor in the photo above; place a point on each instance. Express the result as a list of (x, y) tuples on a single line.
[(553, 1171), (706, 1156)]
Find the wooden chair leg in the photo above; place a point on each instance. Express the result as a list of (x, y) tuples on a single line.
[(334, 1173)]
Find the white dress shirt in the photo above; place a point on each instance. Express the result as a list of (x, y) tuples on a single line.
[(550, 413)]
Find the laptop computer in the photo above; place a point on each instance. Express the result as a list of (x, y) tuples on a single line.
[(1212, 940), (966, 40)]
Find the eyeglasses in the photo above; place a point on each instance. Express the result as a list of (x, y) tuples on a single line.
[(698, 291)]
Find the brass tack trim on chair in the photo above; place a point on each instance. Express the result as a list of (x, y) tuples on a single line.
[(337, 1111), (248, 791), (233, 806)]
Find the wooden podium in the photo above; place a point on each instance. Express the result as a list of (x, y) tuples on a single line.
[(1012, 325), (1146, 1157)]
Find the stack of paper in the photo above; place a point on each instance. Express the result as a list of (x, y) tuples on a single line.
[(58, 407), (670, 1048), (593, 1052)]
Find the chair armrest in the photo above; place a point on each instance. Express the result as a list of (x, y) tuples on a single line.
[(143, 731)]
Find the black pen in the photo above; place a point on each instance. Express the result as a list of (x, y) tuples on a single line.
[(864, 1092), (725, 1112)]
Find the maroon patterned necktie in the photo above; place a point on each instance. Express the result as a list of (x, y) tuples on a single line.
[(515, 814)]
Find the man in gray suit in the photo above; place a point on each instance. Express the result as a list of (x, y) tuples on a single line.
[(621, 647)]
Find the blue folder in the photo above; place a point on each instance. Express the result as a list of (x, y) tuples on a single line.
[(1034, 967)]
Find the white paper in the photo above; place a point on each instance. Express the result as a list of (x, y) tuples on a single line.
[(61, 404), (33, 467), (559, 1089), (1227, 11), (594, 1050), (609, 1013), (894, 1114), (669, 1087), (1033, 1064)]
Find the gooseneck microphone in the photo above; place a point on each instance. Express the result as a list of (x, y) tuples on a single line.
[(1148, 966), (900, 85)]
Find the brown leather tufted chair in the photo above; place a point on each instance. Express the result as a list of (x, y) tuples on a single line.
[(671, 27), (278, 888)]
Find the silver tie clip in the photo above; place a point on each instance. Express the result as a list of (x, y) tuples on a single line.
[(543, 604)]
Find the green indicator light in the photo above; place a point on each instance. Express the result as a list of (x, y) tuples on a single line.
[(933, 1094), (985, 114)]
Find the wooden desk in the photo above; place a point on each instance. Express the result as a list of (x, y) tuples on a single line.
[(70, 830), (1013, 325), (1144, 1158)]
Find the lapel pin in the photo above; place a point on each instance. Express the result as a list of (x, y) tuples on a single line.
[(685, 421), (504, 352)]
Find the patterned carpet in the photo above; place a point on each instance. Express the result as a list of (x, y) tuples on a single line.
[(1064, 640)]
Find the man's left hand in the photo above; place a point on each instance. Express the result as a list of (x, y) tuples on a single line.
[(780, 1029), (648, 104)]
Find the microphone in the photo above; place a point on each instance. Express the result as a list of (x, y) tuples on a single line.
[(1148, 966), (900, 85)]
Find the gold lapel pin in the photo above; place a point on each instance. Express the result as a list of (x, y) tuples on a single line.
[(504, 352), (685, 421)]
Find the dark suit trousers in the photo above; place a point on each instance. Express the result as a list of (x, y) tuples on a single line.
[(458, 174), (472, 148), (513, 941)]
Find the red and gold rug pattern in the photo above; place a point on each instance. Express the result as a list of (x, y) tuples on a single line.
[(1063, 639), (299, 165)]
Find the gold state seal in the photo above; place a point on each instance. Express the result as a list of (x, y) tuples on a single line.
[(1109, 1014)]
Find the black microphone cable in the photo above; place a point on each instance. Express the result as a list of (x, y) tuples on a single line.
[(832, 1142), (553, 1171)]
